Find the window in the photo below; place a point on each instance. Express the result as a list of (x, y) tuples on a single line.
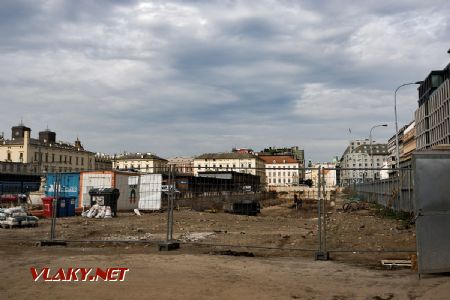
[(53, 157), (76, 160), (82, 160), (46, 157), (20, 156), (60, 160)]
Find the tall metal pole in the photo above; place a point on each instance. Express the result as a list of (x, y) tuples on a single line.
[(169, 207), (397, 153)]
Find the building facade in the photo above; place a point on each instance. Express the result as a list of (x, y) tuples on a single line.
[(281, 170), (433, 115), (358, 156), (45, 154), (140, 162), (238, 162), (408, 142), (184, 165), (103, 162)]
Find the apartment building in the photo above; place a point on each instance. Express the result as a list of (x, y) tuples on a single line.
[(357, 156), (281, 170), (408, 142)]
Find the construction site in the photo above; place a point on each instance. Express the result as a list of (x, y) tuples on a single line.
[(223, 235)]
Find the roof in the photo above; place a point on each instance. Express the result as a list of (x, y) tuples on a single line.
[(377, 149), (227, 155), (278, 159), (136, 156)]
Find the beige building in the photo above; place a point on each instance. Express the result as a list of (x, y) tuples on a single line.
[(238, 162), (281, 170), (141, 162), (103, 162), (45, 154), (16, 168), (328, 174), (408, 141), (184, 165)]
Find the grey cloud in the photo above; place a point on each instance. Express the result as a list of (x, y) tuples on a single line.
[(186, 77)]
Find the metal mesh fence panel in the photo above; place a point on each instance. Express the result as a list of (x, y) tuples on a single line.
[(372, 217)]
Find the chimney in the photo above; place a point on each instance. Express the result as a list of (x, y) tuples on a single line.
[(26, 137)]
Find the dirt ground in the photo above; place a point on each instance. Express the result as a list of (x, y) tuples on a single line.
[(281, 239)]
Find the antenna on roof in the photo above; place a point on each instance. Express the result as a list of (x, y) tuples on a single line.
[(21, 121)]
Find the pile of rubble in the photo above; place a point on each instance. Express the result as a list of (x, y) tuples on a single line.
[(16, 217), (98, 212)]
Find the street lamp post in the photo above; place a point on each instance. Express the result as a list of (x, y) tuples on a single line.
[(370, 147), (397, 153)]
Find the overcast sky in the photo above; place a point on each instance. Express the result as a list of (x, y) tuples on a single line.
[(189, 77)]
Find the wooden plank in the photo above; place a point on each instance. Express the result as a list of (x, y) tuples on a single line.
[(396, 263)]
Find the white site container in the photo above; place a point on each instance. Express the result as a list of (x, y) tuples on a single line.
[(109, 179), (150, 191), (93, 180)]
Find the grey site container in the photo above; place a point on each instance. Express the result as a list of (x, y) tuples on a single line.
[(432, 208)]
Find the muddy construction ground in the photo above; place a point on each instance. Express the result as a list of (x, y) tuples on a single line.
[(280, 241)]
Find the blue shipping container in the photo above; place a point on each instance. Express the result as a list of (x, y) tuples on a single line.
[(69, 185)]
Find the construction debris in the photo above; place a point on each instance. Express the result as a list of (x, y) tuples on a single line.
[(396, 263), (16, 217), (98, 211)]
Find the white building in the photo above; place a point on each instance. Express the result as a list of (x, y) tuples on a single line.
[(358, 156), (238, 162), (141, 162), (281, 170)]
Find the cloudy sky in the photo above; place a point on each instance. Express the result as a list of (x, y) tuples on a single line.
[(188, 77)]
